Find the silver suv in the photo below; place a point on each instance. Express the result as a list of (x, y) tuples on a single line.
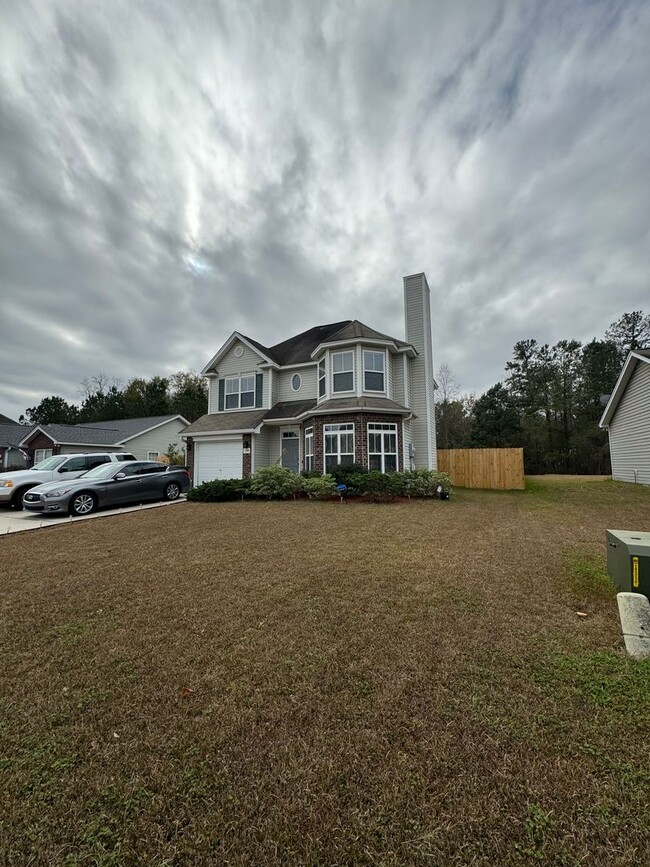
[(14, 484)]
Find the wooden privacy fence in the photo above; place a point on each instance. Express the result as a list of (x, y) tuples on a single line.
[(496, 469)]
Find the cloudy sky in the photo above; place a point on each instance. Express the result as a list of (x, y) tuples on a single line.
[(173, 171)]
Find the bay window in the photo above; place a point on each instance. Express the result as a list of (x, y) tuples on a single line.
[(382, 447), (342, 371), (374, 371), (338, 440)]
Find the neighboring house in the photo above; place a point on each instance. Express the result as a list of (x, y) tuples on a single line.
[(627, 418), (11, 433), (146, 438), (338, 393)]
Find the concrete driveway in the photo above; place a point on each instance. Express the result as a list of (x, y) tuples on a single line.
[(17, 522)]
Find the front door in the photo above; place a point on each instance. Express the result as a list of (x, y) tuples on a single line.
[(291, 452)]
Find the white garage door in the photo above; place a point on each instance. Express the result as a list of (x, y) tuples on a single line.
[(222, 460)]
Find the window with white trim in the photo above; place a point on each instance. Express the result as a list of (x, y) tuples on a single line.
[(321, 378), (240, 392), (41, 454), (374, 370), (153, 456), (382, 447), (309, 448), (342, 371), (338, 440)]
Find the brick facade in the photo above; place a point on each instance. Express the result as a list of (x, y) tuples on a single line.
[(40, 441), (360, 421), (246, 456)]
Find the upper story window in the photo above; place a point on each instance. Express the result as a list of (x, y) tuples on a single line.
[(342, 371), (321, 378), (374, 371), (296, 382), (240, 392)]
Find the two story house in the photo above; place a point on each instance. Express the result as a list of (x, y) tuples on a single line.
[(335, 394)]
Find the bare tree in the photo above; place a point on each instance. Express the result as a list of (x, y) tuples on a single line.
[(448, 385)]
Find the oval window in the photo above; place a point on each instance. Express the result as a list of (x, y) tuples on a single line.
[(239, 350), (296, 382)]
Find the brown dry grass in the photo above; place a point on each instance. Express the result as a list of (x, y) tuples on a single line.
[(361, 694)]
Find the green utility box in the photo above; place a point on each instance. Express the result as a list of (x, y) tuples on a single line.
[(628, 561)]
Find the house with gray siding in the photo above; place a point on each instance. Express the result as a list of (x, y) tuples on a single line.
[(627, 420), (11, 433), (145, 438), (340, 393)]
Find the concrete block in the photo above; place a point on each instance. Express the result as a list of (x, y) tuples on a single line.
[(634, 611)]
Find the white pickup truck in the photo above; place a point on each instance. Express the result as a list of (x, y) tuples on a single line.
[(15, 483)]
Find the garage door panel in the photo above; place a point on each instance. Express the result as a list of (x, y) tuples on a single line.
[(221, 460)]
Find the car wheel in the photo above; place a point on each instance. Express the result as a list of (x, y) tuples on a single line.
[(172, 491), (83, 504), (17, 499)]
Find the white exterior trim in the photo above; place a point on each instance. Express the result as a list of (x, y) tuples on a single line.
[(153, 427), (621, 384), (226, 347)]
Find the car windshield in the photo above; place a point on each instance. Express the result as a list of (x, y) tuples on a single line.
[(50, 463), (103, 471)]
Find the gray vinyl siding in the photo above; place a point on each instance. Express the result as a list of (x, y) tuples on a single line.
[(156, 440), (261, 444), (406, 439), (389, 375), (418, 332), (231, 366), (275, 386), (213, 394), (629, 430), (275, 446), (397, 365), (308, 389)]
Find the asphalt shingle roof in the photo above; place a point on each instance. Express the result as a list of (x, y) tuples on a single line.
[(11, 434), (222, 422), (298, 349), (100, 433)]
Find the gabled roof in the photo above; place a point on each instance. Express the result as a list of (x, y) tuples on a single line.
[(127, 428), (639, 356), (4, 419), (226, 422), (300, 349), (12, 433), (101, 433)]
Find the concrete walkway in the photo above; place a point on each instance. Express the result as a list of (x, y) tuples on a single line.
[(18, 522)]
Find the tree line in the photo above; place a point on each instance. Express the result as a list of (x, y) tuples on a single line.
[(549, 402), (104, 399)]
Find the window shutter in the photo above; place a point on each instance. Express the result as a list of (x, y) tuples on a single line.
[(259, 377), (222, 391)]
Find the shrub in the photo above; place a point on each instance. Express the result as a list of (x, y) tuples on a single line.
[(419, 483), (219, 491), (342, 473), (174, 456), (319, 487), (275, 483), (311, 474)]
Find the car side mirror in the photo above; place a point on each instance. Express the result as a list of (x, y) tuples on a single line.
[(120, 476), (64, 469)]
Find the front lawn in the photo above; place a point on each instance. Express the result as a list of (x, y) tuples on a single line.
[(311, 683)]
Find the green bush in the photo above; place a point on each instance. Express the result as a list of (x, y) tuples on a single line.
[(419, 483), (275, 483), (311, 474), (319, 487), (343, 472), (220, 491)]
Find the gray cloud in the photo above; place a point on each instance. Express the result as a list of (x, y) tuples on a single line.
[(171, 172)]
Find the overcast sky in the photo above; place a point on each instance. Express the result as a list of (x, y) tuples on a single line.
[(173, 171)]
